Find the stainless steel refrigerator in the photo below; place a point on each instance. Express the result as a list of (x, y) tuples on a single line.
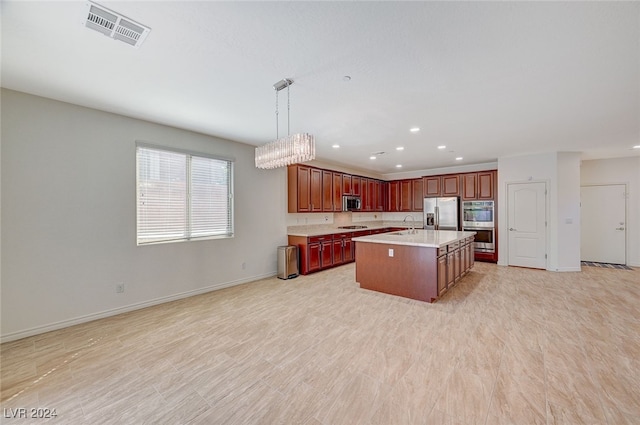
[(442, 213)]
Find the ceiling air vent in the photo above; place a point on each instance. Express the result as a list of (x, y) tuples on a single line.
[(115, 25)]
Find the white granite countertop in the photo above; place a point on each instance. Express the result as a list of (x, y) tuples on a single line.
[(330, 229), (423, 238)]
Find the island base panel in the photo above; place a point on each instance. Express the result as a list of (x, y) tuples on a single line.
[(410, 273)]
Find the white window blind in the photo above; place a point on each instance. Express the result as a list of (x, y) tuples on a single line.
[(182, 196)]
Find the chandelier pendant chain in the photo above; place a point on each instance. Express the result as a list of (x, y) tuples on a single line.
[(288, 110), (277, 119)]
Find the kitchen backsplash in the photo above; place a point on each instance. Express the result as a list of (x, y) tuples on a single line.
[(347, 218)]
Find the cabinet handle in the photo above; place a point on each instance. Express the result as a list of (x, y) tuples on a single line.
[(511, 229), (619, 228)]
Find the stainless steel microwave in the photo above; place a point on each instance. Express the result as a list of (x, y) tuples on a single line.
[(351, 203)]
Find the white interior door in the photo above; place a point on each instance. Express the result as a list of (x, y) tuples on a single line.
[(527, 210), (603, 223)]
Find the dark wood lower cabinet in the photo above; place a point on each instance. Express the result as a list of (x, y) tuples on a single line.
[(454, 262), (321, 252)]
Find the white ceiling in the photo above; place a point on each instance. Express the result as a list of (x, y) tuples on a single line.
[(486, 79)]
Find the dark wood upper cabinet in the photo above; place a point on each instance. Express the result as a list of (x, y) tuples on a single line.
[(373, 195), (451, 185), (406, 195), (355, 185), (379, 189), (313, 189), (304, 189), (393, 196), (327, 191), (486, 182), (431, 186), (469, 185), (337, 191), (417, 195), (346, 184)]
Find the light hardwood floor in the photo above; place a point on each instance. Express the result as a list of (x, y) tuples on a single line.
[(506, 346)]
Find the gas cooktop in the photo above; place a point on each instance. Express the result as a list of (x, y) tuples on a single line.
[(352, 227)]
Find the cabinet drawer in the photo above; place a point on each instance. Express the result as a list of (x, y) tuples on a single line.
[(342, 235), (319, 238), (453, 246), (442, 250), (361, 233)]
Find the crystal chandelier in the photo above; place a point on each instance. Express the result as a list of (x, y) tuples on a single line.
[(283, 151)]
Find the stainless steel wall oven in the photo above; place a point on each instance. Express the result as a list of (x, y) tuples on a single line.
[(478, 216)]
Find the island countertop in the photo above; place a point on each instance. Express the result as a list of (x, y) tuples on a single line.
[(423, 238)]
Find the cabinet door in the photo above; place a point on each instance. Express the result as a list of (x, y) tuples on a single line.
[(451, 269), (338, 257), (346, 184), (405, 195), (393, 197), (469, 184), (485, 185), (326, 254), (337, 191), (463, 260), (347, 250), (450, 185), (315, 190), (313, 255), (379, 188), (418, 199), (457, 265), (442, 274), (355, 185), (373, 199), (364, 194), (303, 189), (431, 186), (327, 191)]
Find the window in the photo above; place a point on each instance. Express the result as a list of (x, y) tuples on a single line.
[(182, 195)]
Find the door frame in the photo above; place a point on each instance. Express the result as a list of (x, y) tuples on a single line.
[(505, 222)]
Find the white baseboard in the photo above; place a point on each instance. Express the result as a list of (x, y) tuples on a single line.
[(569, 269), (131, 307)]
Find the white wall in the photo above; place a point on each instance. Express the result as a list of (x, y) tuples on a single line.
[(568, 212), (69, 218), (620, 171), (561, 172)]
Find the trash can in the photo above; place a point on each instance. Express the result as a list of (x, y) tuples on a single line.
[(287, 262)]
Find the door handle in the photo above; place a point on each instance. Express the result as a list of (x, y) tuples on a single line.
[(511, 229)]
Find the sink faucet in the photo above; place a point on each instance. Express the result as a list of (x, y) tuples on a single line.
[(413, 224)]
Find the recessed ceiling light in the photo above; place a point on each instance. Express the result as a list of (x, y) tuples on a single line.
[(442, 147), (335, 146), (414, 129), (372, 157), (399, 166), (400, 148), (459, 158), (636, 147)]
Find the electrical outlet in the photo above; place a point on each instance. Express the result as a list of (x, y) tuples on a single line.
[(119, 288), (390, 252)]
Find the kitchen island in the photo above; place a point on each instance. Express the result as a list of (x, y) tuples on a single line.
[(418, 264)]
